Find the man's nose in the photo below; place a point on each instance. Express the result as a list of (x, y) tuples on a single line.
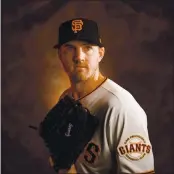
[(79, 55)]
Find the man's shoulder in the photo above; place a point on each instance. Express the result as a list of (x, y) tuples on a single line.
[(123, 103), (116, 92), (118, 95)]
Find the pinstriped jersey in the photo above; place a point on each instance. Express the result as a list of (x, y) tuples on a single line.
[(121, 142)]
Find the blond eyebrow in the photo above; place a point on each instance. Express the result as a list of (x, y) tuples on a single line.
[(90, 44), (85, 44)]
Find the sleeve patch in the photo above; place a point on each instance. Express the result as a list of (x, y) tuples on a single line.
[(134, 148)]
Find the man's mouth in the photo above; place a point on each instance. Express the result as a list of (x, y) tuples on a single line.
[(80, 66)]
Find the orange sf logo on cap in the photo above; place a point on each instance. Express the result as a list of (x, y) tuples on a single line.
[(77, 25)]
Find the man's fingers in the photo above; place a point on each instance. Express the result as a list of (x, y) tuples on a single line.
[(72, 170), (51, 162)]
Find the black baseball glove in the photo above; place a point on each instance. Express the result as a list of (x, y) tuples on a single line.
[(66, 130)]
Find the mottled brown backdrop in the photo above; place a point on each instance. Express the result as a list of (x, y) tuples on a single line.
[(139, 41)]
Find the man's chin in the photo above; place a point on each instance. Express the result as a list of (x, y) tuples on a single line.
[(79, 77)]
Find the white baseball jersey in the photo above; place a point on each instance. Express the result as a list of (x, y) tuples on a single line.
[(121, 143)]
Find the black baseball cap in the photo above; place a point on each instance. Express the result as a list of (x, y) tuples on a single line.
[(79, 29)]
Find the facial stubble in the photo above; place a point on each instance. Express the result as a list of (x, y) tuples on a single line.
[(79, 76)]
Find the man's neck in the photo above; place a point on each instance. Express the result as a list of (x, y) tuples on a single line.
[(83, 88)]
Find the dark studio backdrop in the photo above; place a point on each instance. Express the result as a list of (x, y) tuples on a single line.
[(139, 41)]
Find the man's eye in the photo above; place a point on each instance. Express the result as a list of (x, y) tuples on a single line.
[(88, 47), (70, 48)]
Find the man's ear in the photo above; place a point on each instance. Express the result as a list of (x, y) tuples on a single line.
[(101, 53)]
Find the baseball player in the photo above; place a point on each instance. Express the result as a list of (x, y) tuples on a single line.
[(121, 143)]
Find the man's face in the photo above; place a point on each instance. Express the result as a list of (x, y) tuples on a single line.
[(80, 59)]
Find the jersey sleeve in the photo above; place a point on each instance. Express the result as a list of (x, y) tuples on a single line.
[(132, 144)]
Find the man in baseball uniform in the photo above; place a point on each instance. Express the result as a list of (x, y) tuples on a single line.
[(121, 143)]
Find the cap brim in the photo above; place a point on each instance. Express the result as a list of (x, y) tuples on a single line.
[(90, 41), (80, 39)]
